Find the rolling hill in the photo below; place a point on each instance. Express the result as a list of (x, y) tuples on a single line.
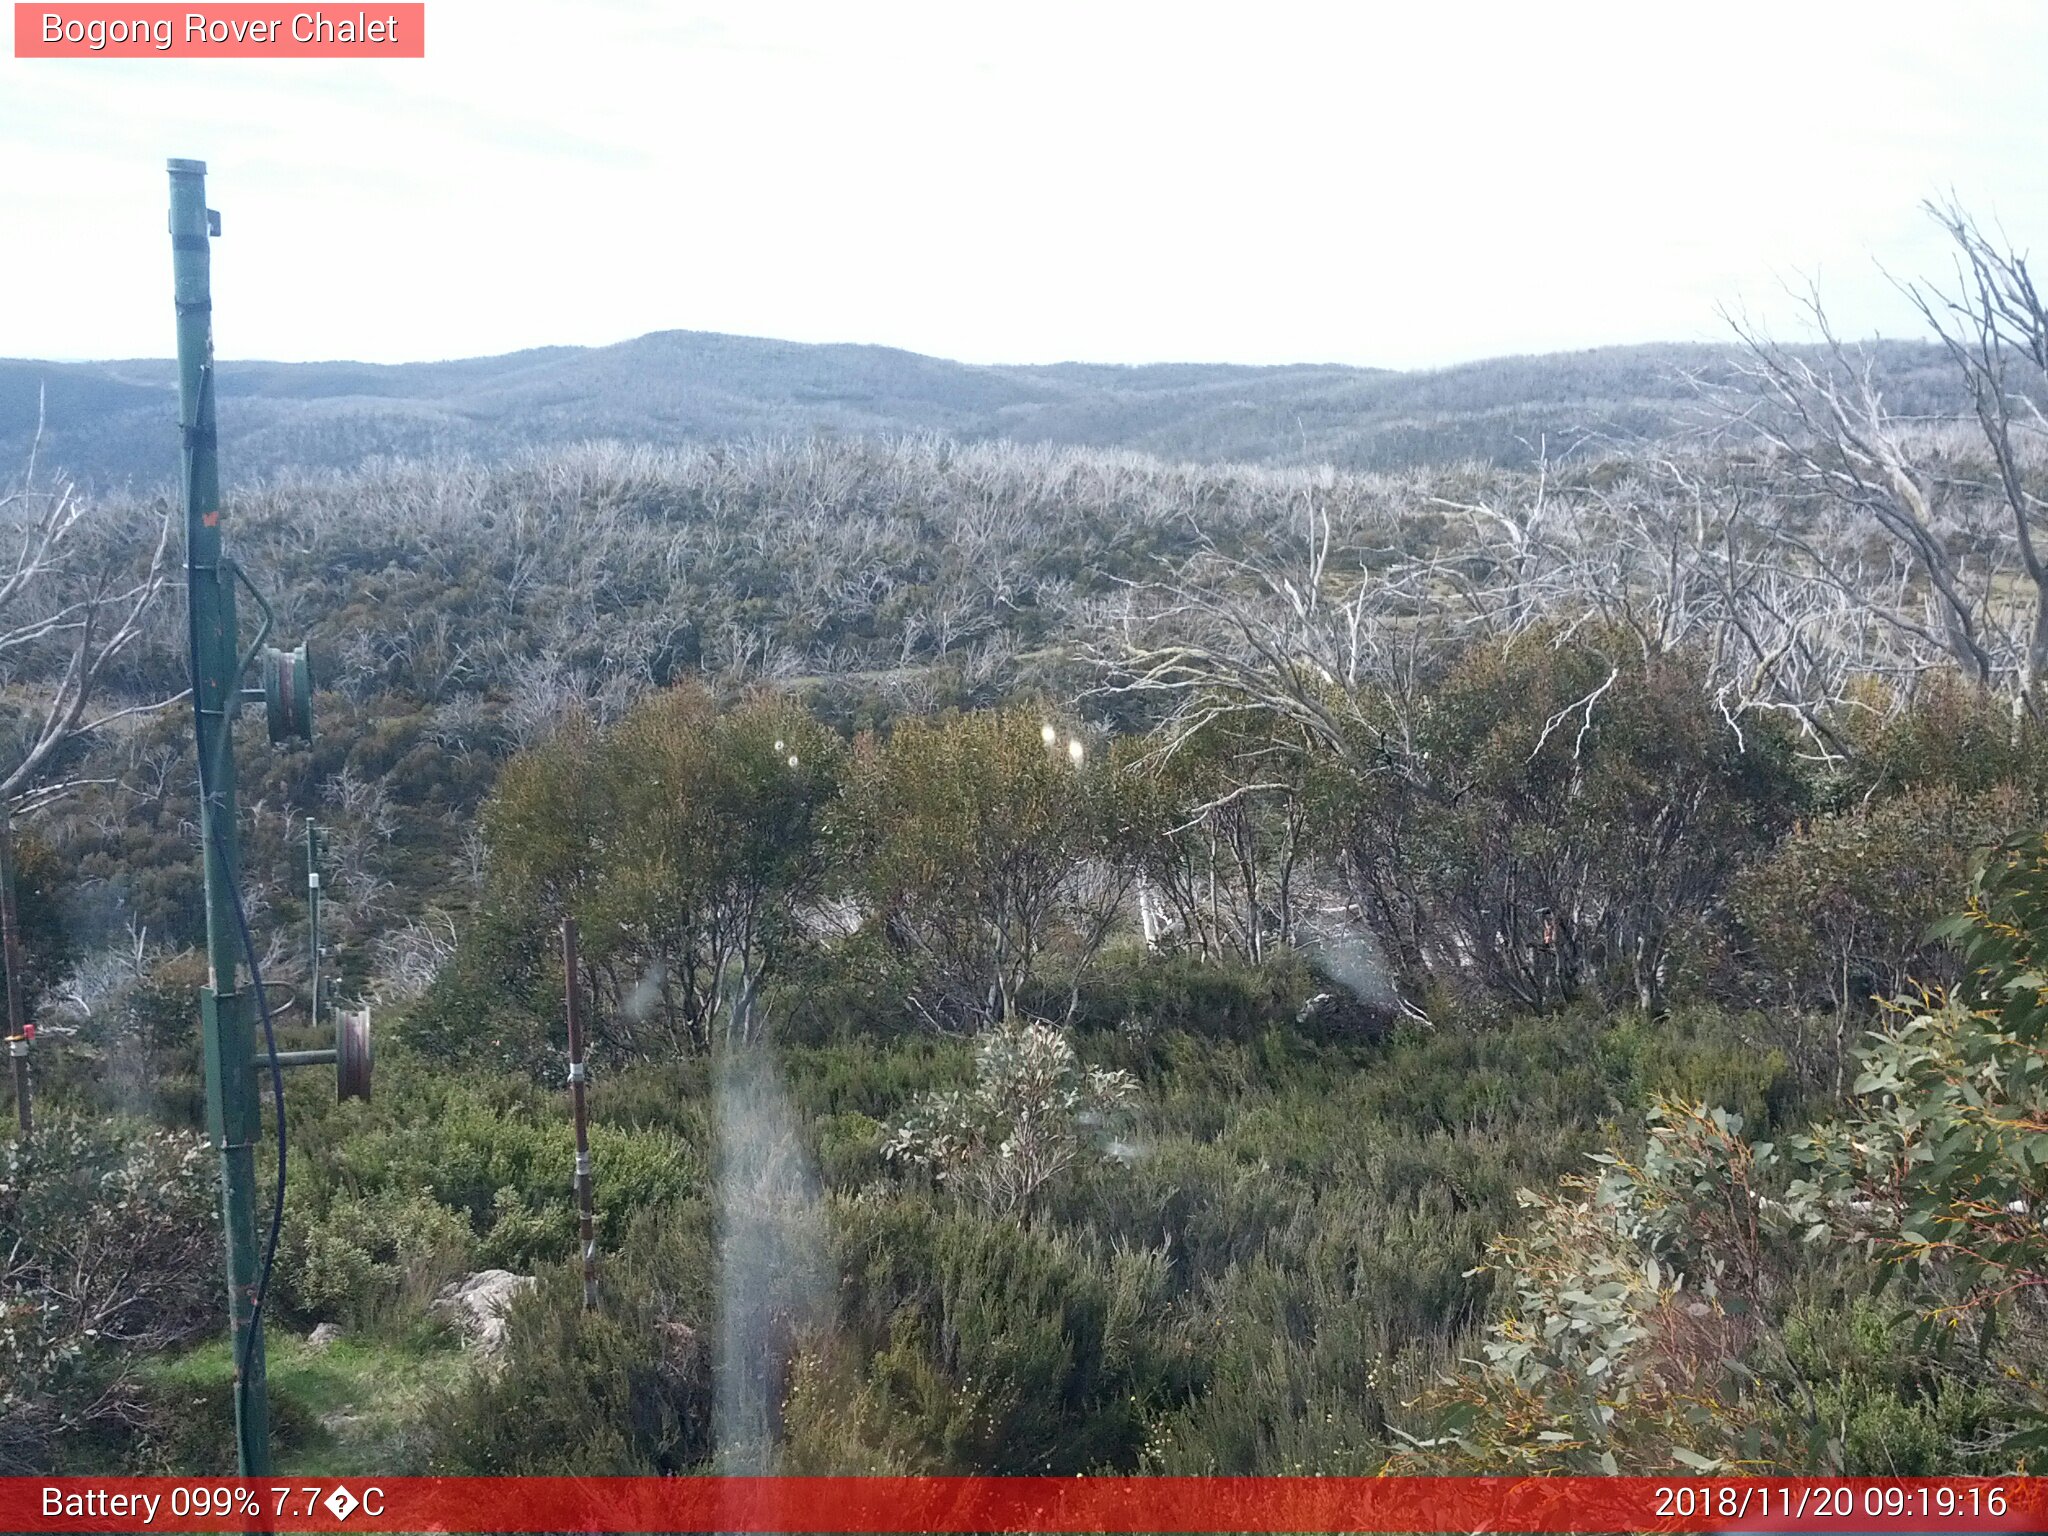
[(114, 422)]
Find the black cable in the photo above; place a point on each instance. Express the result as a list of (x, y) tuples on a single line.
[(277, 1097)]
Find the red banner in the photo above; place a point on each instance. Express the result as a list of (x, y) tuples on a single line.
[(1849, 1506), (224, 31)]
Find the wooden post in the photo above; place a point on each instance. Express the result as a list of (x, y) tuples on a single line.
[(587, 1225), (18, 1032), (10, 921), (24, 1115)]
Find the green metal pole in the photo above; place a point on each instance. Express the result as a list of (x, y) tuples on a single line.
[(233, 1110)]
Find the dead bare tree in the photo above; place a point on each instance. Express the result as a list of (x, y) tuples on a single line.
[(1680, 554), (1995, 329), (1223, 635), (1842, 449), (1963, 582), (73, 601)]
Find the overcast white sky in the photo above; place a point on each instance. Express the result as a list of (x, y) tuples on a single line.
[(1394, 185)]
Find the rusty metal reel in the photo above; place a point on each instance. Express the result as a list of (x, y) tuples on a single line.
[(351, 1054), (288, 694)]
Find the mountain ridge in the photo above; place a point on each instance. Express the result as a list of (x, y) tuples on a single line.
[(113, 422)]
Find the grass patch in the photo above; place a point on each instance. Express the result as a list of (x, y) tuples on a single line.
[(343, 1411)]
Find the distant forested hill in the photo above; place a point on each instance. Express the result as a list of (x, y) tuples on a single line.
[(113, 422)]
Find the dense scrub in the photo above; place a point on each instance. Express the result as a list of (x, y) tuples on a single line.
[(1225, 1211), (1199, 1001)]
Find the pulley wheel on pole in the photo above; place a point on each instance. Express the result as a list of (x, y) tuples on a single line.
[(351, 1054), (288, 694)]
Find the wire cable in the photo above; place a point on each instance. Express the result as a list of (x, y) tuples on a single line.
[(277, 1098)]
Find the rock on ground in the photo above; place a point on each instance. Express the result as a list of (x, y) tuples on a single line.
[(477, 1304), (323, 1335)]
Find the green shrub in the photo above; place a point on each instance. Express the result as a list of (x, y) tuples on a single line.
[(1837, 915), (1565, 808), (109, 1251), (980, 850), (622, 1390), (1883, 1408), (1286, 1380), (366, 1258), (41, 878), (580, 1393), (1703, 1054), (523, 1234), (1149, 994), (185, 1425), (1936, 1170), (1000, 1349), (1951, 735)]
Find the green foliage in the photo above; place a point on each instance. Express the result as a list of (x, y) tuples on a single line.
[(1949, 736), (1567, 806), (1151, 994), (495, 1152), (1885, 1408), (109, 1250), (1840, 912), (973, 846), (1287, 1240), (1032, 1112), (1942, 1171), (1702, 1054), (1635, 1295), (41, 877), (493, 1007), (685, 840), (624, 1390), (1286, 1378), (998, 1348), (1646, 1299), (1221, 831), (365, 1259)]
